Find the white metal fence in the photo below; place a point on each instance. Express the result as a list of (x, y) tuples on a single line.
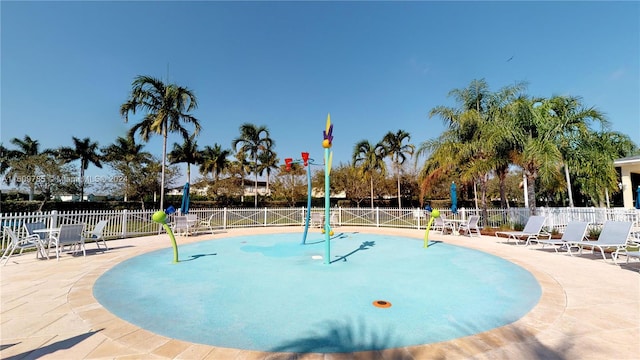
[(131, 223)]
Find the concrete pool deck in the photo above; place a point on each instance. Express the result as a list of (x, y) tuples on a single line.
[(589, 309)]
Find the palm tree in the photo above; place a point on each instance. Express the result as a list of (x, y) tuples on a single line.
[(214, 160), (368, 159), (268, 160), (393, 147), (84, 150), (4, 160), (242, 166), (167, 106), (187, 152), (535, 132), (252, 140), (21, 164), (574, 118), (126, 157), (474, 144), (592, 162)]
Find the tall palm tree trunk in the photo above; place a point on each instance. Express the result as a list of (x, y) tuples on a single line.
[(81, 182), (255, 192), (483, 197), (255, 183), (568, 178), (531, 193), (371, 182), (399, 198), (164, 157)]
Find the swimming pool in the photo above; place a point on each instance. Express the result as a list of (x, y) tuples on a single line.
[(270, 293)]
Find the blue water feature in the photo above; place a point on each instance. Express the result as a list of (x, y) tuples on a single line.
[(270, 293)]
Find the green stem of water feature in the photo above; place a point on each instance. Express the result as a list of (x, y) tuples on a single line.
[(173, 242)]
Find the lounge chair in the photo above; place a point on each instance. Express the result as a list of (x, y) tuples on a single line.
[(614, 235), (575, 232), (70, 235), (22, 243), (531, 233), (628, 254), (471, 226), (97, 234)]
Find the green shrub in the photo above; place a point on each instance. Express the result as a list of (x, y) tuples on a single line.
[(594, 232)]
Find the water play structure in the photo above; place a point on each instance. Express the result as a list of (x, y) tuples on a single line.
[(307, 162), (160, 217), (328, 157)]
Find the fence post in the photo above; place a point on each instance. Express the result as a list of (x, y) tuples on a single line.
[(377, 216), (224, 218), (124, 224), (265, 216), (54, 219)]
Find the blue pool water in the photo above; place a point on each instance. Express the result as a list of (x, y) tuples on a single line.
[(270, 293)]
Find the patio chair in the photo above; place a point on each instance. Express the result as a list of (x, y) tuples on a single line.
[(317, 219), (614, 235), (181, 225), (97, 234), (207, 224), (70, 235), (36, 226), (576, 231), (532, 231), (27, 242), (440, 224), (333, 219), (471, 226)]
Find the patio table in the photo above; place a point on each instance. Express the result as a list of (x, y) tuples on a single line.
[(46, 242), (455, 224)]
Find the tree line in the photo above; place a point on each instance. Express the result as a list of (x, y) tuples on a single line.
[(489, 136)]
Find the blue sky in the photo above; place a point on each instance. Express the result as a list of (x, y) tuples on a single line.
[(375, 66)]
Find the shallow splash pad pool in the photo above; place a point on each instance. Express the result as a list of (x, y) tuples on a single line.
[(269, 293)]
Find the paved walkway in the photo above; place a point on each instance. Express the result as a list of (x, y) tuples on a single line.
[(590, 309)]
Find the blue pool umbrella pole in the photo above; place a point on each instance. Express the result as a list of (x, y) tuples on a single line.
[(185, 199), (326, 144), (160, 217), (454, 198), (638, 197)]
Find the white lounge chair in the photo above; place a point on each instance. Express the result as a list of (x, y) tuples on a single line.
[(70, 235), (531, 233), (614, 235), (471, 226), (97, 234), (575, 232), (22, 243), (628, 254)]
